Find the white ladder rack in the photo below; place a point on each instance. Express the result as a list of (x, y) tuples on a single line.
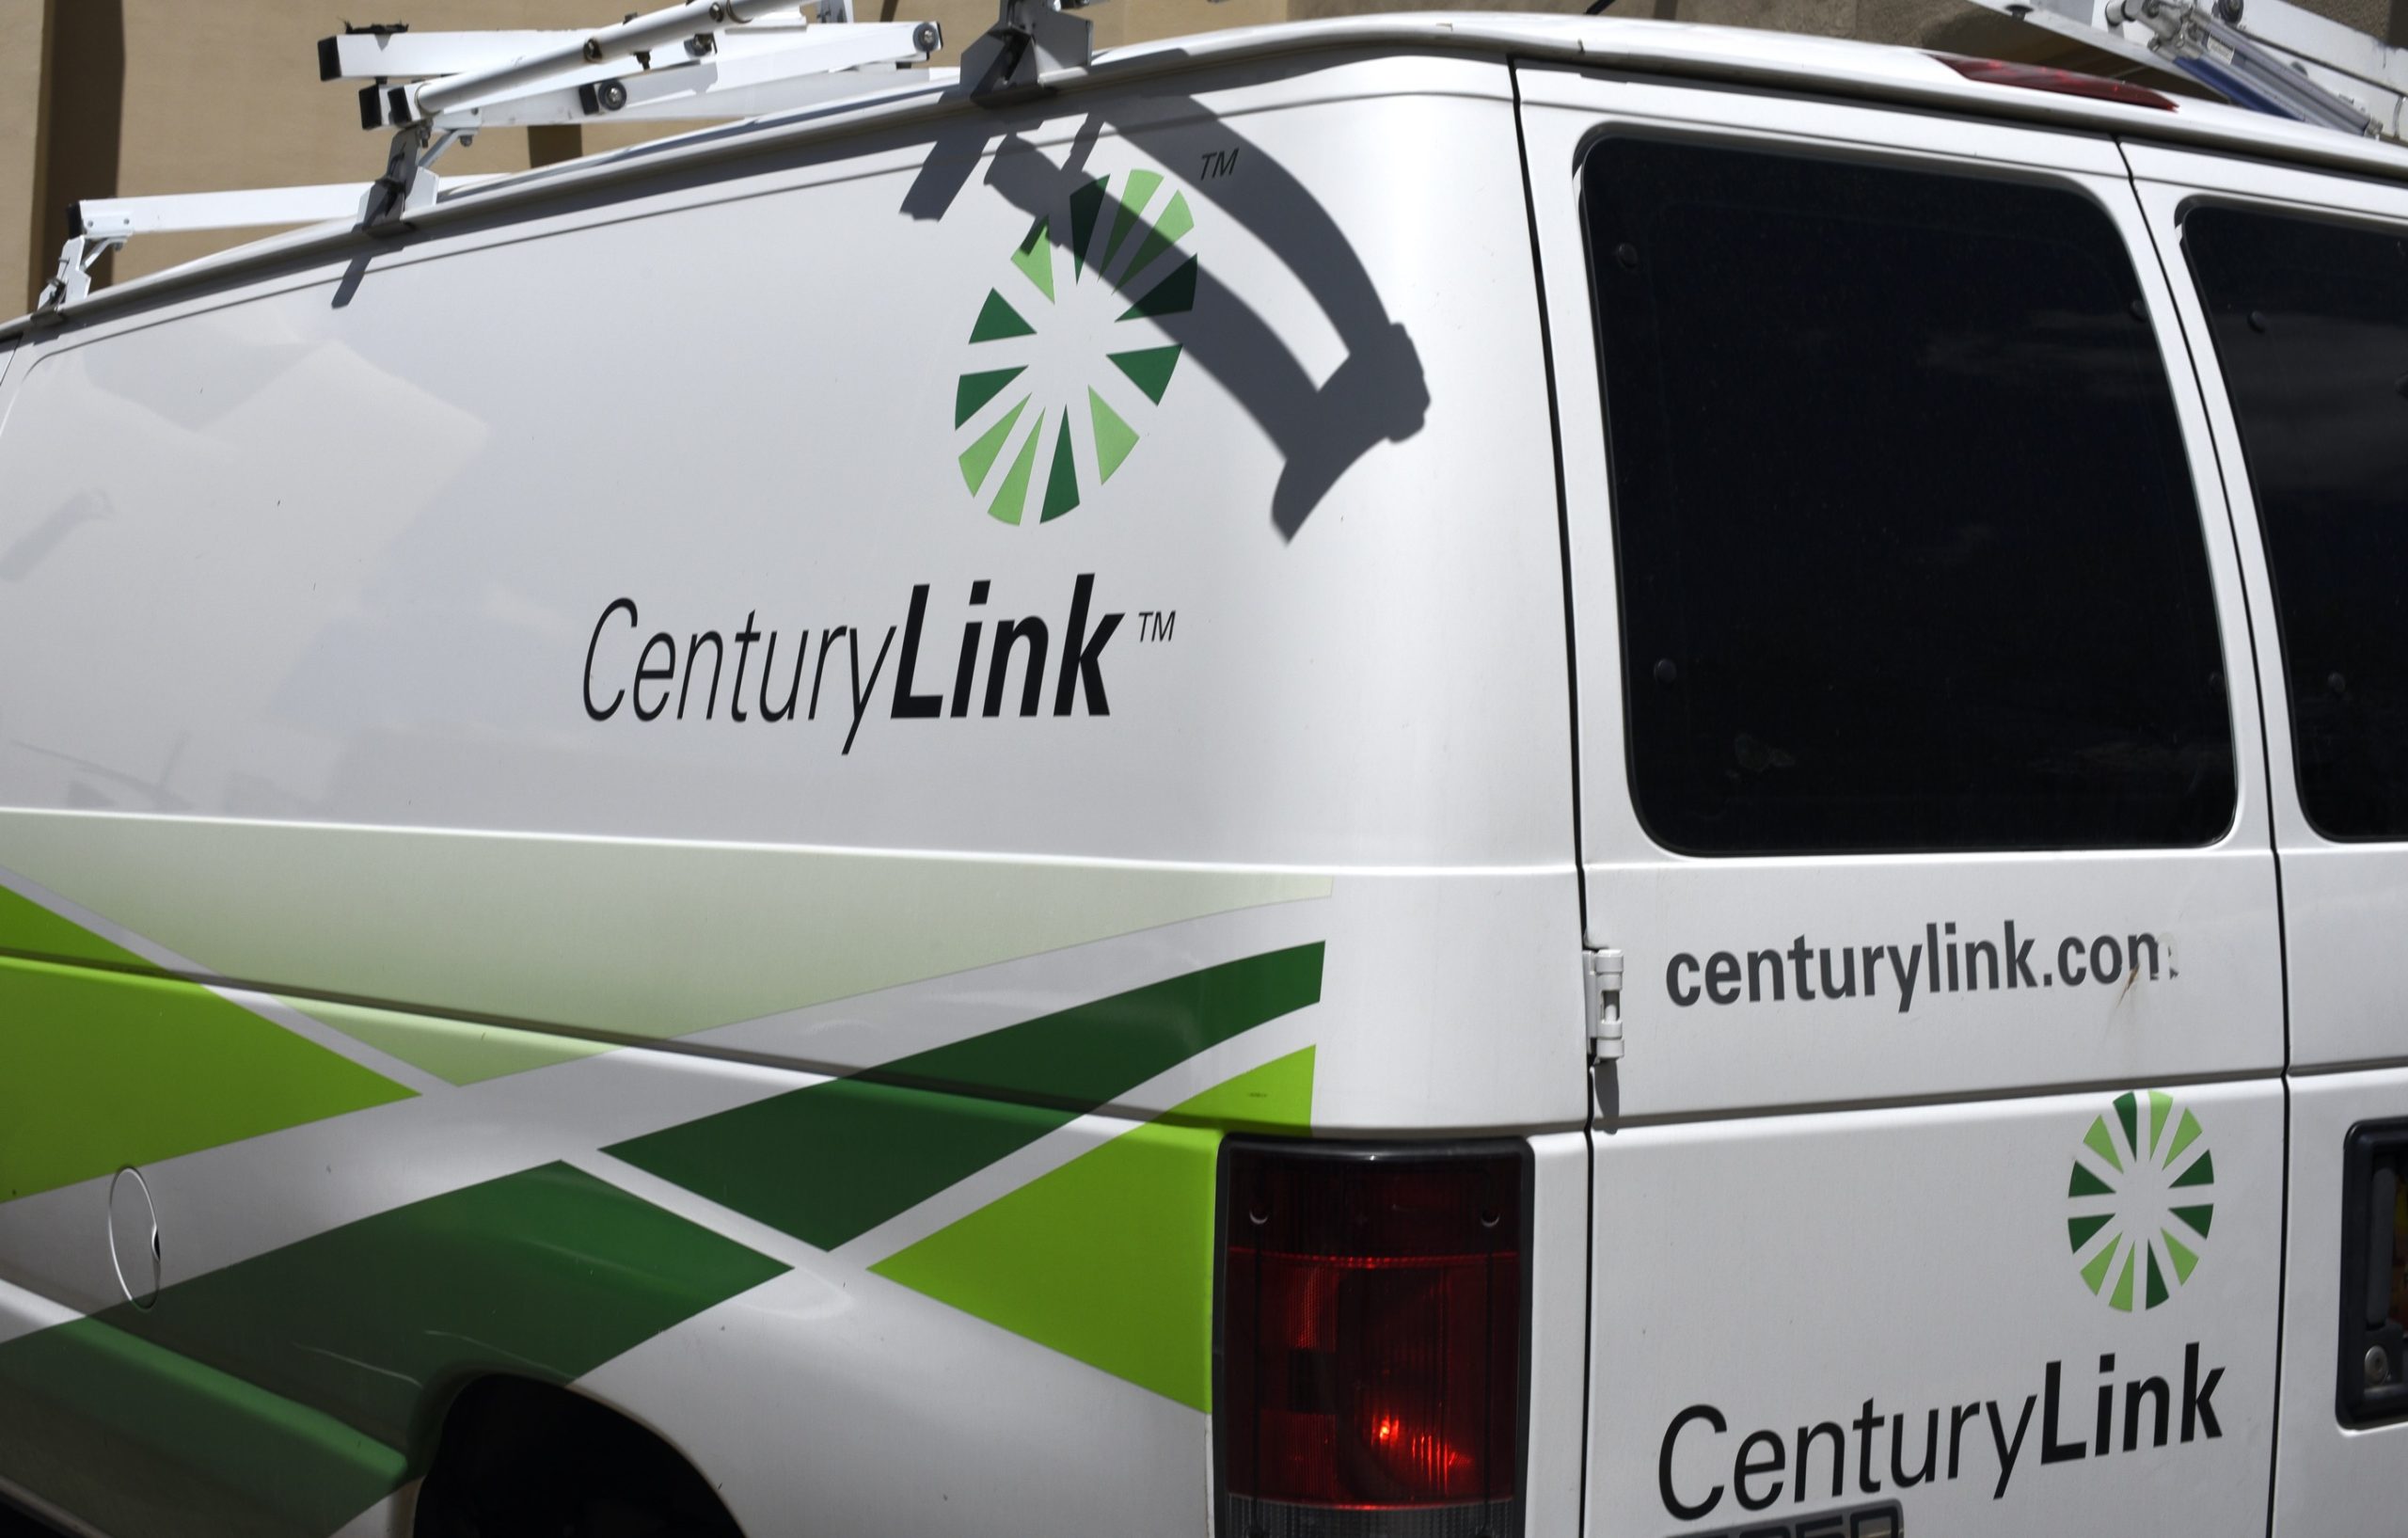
[(2285, 62), (711, 58), (698, 61)]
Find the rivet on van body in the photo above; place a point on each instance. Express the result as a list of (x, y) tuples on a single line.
[(2336, 683), (2258, 320), (1626, 255), (2378, 1365), (1667, 671)]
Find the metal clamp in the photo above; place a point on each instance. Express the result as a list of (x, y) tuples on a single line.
[(1029, 39), (409, 183), (73, 280)]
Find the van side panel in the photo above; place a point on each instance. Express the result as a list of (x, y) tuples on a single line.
[(649, 759)]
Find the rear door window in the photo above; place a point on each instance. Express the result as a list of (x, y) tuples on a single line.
[(1910, 556), (2309, 319)]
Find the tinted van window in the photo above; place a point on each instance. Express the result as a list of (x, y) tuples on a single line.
[(1910, 554), (2310, 322)]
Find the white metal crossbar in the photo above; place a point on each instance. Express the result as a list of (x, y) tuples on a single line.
[(120, 218), (768, 69), (696, 61)]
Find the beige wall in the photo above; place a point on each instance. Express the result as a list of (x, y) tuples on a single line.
[(102, 98), (2384, 19), (22, 27)]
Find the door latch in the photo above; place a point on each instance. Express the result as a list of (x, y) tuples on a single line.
[(1601, 977)]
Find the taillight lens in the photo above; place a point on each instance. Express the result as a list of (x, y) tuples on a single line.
[(1372, 1342)]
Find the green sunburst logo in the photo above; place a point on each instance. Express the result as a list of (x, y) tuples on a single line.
[(2141, 1193), (1067, 352)]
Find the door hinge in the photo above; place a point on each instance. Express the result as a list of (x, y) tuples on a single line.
[(1601, 984)]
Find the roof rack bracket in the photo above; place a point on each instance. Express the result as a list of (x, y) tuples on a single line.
[(409, 184), (1030, 38), (73, 280)]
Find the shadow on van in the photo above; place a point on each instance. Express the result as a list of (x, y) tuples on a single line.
[(1378, 395)]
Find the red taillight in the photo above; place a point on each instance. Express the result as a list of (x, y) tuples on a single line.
[(2039, 77), (1371, 1342)]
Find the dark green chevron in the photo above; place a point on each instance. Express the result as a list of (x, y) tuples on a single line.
[(287, 1393), (833, 1161)]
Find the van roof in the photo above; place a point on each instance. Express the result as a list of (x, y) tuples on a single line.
[(1740, 57)]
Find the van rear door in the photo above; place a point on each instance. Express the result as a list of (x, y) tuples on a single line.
[(2295, 289), (1939, 1184)]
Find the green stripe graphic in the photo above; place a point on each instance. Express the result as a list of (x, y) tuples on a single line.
[(287, 1393), (1109, 1259), (144, 1441), (100, 1070), (830, 1162)]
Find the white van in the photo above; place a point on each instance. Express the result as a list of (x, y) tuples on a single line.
[(1456, 777)]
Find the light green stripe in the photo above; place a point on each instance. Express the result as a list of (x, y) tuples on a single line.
[(1109, 1259), (103, 1069), (1011, 497)]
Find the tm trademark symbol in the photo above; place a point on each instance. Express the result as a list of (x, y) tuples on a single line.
[(1219, 163), (1154, 624)]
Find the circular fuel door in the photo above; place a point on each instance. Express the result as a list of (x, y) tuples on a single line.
[(133, 1237)]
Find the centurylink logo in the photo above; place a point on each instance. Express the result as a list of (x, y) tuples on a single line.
[(1067, 351), (2142, 1194)]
